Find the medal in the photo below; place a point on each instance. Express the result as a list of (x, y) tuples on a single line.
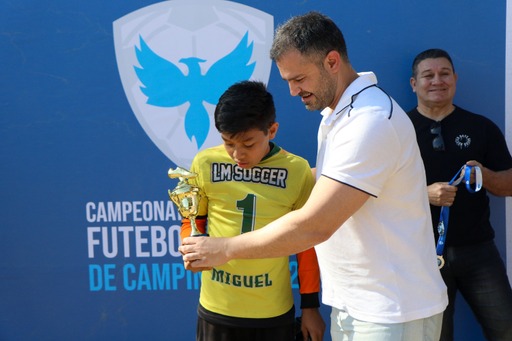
[(442, 226)]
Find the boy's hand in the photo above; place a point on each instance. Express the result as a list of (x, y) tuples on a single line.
[(313, 325)]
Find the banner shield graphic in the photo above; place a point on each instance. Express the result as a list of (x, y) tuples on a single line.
[(175, 58)]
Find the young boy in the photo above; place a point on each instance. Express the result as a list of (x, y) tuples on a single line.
[(246, 183)]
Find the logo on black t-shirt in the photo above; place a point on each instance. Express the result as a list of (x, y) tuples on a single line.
[(463, 141)]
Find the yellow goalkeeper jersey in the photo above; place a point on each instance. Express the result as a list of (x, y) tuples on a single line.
[(236, 201)]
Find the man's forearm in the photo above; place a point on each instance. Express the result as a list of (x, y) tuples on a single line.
[(498, 183)]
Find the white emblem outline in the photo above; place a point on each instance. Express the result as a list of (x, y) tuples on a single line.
[(200, 22)]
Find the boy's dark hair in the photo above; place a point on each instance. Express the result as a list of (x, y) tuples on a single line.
[(312, 34), (430, 53), (243, 106)]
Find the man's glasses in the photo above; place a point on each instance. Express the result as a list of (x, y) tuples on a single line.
[(437, 142)]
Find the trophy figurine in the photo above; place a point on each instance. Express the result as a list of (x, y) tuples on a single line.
[(186, 196)]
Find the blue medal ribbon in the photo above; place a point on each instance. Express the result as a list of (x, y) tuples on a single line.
[(442, 226)]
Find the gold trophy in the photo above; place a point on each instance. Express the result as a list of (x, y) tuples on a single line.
[(186, 197)]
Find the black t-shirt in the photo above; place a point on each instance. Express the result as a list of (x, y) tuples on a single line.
[(466, 136)]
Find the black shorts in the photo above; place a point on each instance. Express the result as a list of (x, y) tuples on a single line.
[(214, 332)]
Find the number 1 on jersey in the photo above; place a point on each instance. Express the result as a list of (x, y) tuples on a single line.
[(248, 207)]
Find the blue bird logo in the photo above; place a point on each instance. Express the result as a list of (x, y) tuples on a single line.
[(166, 86)]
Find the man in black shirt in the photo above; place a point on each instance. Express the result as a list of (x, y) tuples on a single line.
[(450, 137)]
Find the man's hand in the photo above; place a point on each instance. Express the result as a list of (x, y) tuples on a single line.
[(188, 266), (203, 252), (312, 326), (474, 164), (441, 194), (498, 183)]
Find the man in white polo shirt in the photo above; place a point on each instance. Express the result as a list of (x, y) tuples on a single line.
[(368, 214)]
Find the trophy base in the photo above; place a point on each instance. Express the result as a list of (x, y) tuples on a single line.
[(200, 235)]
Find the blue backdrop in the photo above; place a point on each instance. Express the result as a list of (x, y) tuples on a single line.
[(87, 240)]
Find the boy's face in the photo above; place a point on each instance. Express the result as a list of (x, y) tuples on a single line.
[(248, 148)]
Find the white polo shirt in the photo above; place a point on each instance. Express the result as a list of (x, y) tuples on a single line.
[(380, 266)]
